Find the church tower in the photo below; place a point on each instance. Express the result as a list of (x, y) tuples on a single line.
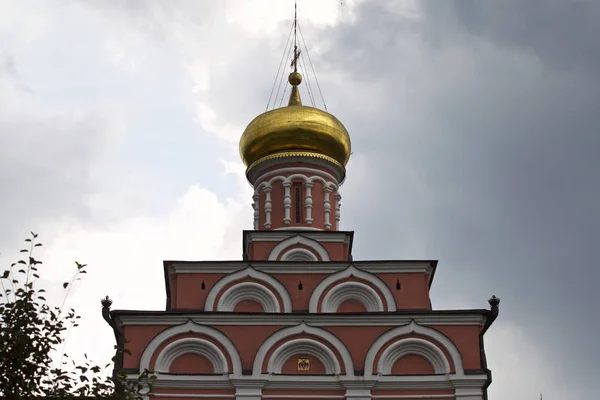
[(297, 317)]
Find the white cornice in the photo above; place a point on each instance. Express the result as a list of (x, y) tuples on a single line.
[(299, 228), (279, 235), (291, 267), (320, 382), (292, 319)]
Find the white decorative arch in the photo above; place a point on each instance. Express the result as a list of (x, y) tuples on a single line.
[(299, 254), (303, 346), (358, 273), (248, 272), (295, 330), (248, 291), (365, 294), (299, 239), (286, 170), (194, 346), (192, 327), (318, 176), (413, 327), (413, 346)]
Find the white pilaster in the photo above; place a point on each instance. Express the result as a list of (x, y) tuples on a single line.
[(308, 202), (287, 202), (327, 207), (244, 393), (255, 207), (338, 199), (268, 208), (468, 394), (358, 394), (469, 388)]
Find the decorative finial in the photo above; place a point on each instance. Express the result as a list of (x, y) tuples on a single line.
[(106, 302), (494, 301), (295, 79)]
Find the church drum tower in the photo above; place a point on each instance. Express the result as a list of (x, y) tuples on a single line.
[(298, 318)]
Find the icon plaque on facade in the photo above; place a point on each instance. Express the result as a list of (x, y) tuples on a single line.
[(303, 364)]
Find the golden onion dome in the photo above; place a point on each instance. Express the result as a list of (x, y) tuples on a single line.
[(295, 130)]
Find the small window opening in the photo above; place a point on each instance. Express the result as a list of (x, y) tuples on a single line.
[(297, 201), (202, 286), (300, 285), (398, 284)]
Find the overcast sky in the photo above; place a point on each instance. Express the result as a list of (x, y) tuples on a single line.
[(474, 127)]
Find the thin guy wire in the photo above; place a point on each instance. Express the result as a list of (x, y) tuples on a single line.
[(279, 69), (308, 85), (312, 67), (285, 86), (283, 96), (281, 83)]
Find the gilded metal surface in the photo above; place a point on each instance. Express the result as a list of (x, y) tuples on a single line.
[(295, 97), (295, 79), (295, 128), (284, 154)]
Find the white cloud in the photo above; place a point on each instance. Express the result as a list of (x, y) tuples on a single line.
[(125, 260)]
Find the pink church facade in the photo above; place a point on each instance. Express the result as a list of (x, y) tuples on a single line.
[(298, 318)]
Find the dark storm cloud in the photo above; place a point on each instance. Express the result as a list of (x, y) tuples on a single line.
[(563, 33), (475, 139), (479, 143)]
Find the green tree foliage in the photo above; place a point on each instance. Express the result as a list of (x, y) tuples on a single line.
[(33, 333)]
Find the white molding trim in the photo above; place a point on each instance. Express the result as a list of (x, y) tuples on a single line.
[(413, 327), (415, 396), (292, 319), (358, 273), (193, 395), (248, 291), (365, 294), (328, 185), (248, 272), (299, 254), (294, 170), (192, 327), (280, 163), (201, 347), (280, 234), (298, 228), (413, 346), (272, 267), (299, 239), (302, 328), (467, 385), (303, 346)]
